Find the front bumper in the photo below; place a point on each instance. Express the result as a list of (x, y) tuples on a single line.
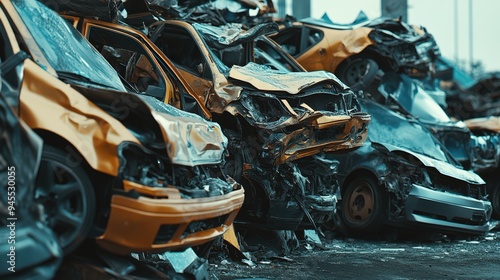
[(160, 220), (443, 209)]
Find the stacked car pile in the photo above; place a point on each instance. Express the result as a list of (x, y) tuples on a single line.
[(162, 125), (397, 65)]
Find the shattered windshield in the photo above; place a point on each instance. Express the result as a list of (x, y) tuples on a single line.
[(65, 49)]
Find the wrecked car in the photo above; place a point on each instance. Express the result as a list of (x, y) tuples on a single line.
[(354, 52), (402, 175), (128, 170), (21, 227), (476, 148), (468, 97), (278, 124)]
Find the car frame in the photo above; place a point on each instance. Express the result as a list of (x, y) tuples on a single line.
[(106, 150), (396, 178), (354, 52), (270, 201)]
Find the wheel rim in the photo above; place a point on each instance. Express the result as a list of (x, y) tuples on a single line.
[(62, 194), (356, 71), (360, 204)]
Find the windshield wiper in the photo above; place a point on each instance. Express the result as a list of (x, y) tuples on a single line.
[(66, 75)]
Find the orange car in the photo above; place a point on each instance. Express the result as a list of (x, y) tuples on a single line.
[(355, 52), (133, 172), (278, 124)]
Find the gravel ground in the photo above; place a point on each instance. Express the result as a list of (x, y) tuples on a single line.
[(412, 256)]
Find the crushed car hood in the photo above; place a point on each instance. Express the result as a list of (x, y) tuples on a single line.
[(187, 138), (442, 167), (396, 133), (266, 79)]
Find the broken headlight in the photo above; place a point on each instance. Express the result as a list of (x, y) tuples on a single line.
[(140, 165), (264, 108), (405, 170), (382, 37)]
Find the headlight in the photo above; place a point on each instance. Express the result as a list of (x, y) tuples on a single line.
[(383, 37), (264, 108), (140, 165)]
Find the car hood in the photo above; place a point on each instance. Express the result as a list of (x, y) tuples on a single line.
[(266, 79), (442, 167), (187, 138)]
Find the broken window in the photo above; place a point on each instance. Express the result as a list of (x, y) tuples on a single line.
[(130, 60), (290, 40), (180, 47), (267, 55), (297, 40)]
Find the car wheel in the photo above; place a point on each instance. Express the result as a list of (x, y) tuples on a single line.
[(364, 206), (357, 72), (65, 191)]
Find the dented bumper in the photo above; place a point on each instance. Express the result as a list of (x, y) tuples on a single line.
[(158, 219), (443, 209)]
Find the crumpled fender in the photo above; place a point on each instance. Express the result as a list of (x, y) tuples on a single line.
[(48, 104), (444, 168), (188, 139)]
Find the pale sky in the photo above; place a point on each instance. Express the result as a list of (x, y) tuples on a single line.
[(438, 17)]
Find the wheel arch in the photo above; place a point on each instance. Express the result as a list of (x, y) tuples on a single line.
[(360, 173), (101, 182)]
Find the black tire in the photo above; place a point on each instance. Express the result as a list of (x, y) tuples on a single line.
[(364, 206), (66, 192), (357, 72)]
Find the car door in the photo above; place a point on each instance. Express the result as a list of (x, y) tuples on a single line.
[(180, 47), (142, 64)]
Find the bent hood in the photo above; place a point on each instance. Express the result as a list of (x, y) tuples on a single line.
[(266, 79), (442, 167), (187, 138)]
